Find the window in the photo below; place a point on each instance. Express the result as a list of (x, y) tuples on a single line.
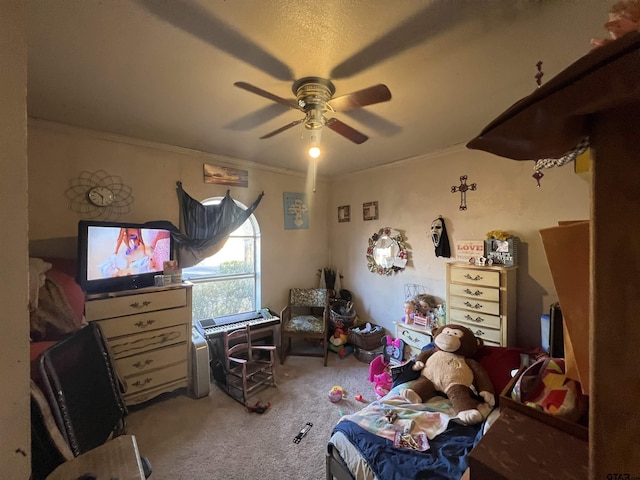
[(229, 281)]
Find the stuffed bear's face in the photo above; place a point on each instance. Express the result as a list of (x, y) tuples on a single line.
[(456, 339)]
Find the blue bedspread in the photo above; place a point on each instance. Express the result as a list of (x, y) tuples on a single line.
[(445, 460)]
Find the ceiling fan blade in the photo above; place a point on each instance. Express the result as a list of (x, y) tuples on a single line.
[(282, 129), (361, 98), (346, 131), (202, 23), (263, 93)]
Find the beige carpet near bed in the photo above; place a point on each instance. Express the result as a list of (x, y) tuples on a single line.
[(215, 438)]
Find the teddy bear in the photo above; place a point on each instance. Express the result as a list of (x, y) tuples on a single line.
[(450, 369)]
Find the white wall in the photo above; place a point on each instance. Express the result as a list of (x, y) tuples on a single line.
[(15, 445), (410, 193), (413, 193), (59, 153)]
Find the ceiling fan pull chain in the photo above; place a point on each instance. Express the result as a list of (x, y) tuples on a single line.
[(314, 174)]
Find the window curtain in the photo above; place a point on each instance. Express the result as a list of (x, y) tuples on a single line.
[(204, 229)]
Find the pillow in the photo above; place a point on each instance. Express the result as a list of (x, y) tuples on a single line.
[(499, 362), (71, 290)]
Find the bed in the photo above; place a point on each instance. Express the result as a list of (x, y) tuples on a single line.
[(367, 446)]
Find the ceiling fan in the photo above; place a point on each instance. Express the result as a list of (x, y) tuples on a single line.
[(314, 97)]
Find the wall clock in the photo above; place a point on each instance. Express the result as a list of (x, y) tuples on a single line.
[(99, 195)]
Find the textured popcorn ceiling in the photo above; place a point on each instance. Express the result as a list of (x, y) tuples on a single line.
[(164, 70)]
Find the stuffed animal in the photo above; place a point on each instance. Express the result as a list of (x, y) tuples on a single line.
[(338, 338), (450, 369)]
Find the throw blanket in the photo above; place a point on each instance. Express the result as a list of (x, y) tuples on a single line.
[(373, 436), (430, 418), (54, 316)]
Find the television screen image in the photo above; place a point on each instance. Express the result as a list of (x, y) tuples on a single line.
[(122, 256), (121, 251)]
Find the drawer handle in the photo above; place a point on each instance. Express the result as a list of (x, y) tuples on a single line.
[(477, 306), (146, 324), (479, 333), (138, 305), (140, 384), (146, 363), (406, 334), (471, 319), (477, 293), (475, 279)]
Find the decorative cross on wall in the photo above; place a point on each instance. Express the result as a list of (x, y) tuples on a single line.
[(462, 188)]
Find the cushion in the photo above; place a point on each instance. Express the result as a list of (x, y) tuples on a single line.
[(305, 323)]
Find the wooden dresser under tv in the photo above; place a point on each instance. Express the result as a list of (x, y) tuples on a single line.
[(148, 331)]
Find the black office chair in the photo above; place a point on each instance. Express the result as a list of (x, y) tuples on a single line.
[(85, 395)]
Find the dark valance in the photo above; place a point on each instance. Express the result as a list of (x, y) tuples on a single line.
[(204, 229)]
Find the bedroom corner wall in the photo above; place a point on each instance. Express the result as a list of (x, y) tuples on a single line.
[(414, 192)]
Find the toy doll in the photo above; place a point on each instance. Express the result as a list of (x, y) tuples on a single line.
[(409, 311)]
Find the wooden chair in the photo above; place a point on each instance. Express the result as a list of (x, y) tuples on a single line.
[(248, 368), (306, 317)]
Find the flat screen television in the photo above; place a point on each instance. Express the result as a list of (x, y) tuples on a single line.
[(115, 256)]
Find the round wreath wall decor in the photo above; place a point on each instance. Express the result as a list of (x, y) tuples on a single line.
[(386, 252)]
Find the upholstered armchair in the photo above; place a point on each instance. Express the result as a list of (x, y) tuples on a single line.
[(305, 320)]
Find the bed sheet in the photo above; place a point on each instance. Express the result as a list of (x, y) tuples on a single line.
[(364, 440)]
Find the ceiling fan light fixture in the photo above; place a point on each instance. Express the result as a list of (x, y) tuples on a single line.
[(314, 152), (314, 149)]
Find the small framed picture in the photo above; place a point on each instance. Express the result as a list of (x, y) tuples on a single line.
[(344, 213), (370, 211)]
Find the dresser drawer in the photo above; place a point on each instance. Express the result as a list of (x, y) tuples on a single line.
[(476, 305), (413, 338), (475, 276), (475, 318), (117, 327), (101, 308), (149, 380), (145, 395), (411, 352), (475, 291), (486, 334), (151, 360), (141, 342)]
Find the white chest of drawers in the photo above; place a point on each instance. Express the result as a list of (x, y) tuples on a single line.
[(148, 331), (483, 299)]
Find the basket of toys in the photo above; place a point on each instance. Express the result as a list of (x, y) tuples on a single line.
[(343, 315), (367, 337)]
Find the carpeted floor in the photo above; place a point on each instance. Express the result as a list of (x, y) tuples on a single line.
[(216, 438)]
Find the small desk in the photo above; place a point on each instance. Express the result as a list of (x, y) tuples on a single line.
[(116, 459)]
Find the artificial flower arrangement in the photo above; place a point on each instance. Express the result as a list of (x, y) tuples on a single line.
[(501, 248), (499, 235)]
